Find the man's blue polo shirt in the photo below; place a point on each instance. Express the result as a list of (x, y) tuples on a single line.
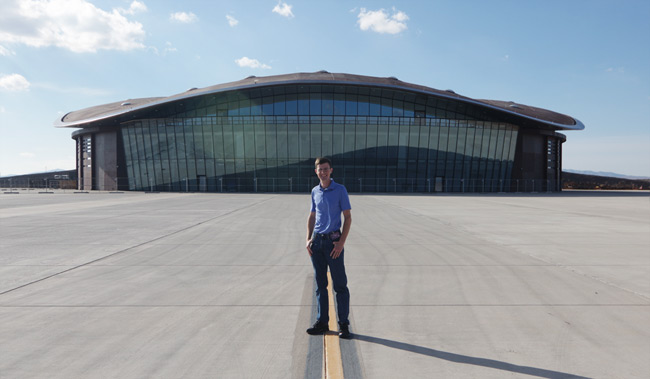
[(328, 203)]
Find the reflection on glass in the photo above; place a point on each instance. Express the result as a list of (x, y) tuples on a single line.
[(273, 134)]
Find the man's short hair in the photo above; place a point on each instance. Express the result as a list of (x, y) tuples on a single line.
[(322, 160)]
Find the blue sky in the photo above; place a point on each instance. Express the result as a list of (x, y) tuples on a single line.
[(586, 58)]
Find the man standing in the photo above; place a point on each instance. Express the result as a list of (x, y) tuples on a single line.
[(325, 240)]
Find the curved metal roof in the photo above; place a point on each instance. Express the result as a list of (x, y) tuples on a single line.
[(119, 111)]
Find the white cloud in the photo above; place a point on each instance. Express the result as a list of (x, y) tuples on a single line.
[(252, 63), (5, 52), (14, 83), (169, 48), (85, 91), (76, 25), (136, 7), (27, 155), (381, 22), (283, 9), (2, 109), (232, 21), (184, 17)]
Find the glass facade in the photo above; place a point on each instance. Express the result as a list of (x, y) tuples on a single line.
[(266, 140)]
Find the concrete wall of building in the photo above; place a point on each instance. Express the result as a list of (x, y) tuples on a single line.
[(105, 161)]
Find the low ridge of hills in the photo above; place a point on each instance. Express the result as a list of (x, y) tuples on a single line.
[(572, 180)]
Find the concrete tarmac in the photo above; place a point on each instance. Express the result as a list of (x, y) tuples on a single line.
[(137, 285)]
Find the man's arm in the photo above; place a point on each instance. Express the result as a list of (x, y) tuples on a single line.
[(338, 245), (311, 221)]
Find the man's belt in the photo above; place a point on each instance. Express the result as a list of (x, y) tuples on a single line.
[(332, 236)]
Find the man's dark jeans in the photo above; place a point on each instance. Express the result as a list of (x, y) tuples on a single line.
[(321, 248)]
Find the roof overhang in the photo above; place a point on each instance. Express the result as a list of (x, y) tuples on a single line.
[(115, 113)]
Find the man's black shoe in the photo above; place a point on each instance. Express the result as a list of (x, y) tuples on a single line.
[(318, 328), (345, 331)]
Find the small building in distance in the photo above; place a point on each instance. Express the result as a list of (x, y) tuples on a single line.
[(263, 134)]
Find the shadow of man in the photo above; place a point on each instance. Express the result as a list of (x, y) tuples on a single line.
[(464, 359)]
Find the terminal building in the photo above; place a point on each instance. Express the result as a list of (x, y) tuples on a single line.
[(262, 134)]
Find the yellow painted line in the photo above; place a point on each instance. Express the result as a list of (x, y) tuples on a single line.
[(333, 365)]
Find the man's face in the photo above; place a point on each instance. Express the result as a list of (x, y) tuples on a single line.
[(324, 171)]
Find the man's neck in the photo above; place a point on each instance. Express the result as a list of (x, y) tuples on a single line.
[(326, 184)]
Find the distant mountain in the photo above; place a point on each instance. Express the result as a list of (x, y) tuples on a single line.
[(572, 180), (607, 174)]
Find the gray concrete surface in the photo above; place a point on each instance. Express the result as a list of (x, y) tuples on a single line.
[(140, 285)]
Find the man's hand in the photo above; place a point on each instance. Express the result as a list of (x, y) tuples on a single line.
[(309, 246), (338, 248)]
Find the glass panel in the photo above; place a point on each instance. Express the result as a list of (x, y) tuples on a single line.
[(393, 143), (328, 104), (442, 150), (293, 142), (469, 152), (351, 104), (327, 139), (460, 150), (128, 144), (157, 159), (423, 152), (240, 167), (409, 109), (256, 107), (338, 140), (292, 105), (339, 104), (238, 136), (386, 107), (382, 141), (374, 106), (363, 107), (173, 154), (188, 133), (371, 154), (498, 155), (140, 169), (485, 148), (228, 139), (315, 138), (433, 149), (249, 141), (279, 105), (245, 107), (451, 153), (476, 151), (267, 106), (199, 153), (398, 108), (282, 141), (190, 153), (414, 140), (360, 149), (315, 104), (233, 108), (217, 134), (492, 153), (402, 152), (271, 140), (229, 169), (349, 142), (303, 104)]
